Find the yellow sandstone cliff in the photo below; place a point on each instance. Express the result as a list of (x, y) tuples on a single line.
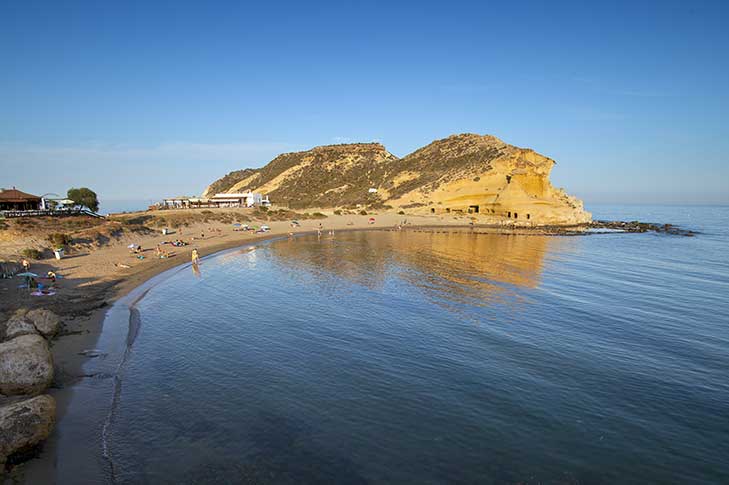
[(482, 176)]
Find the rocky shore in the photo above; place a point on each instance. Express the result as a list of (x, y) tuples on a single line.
[(27, 414), (637, 226)]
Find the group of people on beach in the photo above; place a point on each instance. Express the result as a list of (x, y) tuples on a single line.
[(44, 285), (178, 243), (161, 253)]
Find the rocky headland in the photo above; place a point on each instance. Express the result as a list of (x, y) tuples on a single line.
[(476, 175)]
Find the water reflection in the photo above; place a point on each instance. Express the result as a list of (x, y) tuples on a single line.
[(465, 267)]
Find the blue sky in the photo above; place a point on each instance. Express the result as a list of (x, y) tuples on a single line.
[(148, 99)]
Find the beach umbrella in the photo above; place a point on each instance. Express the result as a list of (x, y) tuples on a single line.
[(28, 275)]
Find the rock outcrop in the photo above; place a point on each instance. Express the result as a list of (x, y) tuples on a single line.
[(26, 369), (18, 325), (45, 321), (479, 175), (26, 365), (25, 424)]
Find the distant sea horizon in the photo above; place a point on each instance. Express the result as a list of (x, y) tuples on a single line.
[(599, 210), (114, 206)]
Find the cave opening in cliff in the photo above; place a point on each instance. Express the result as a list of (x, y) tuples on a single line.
[(516, 216), (473, 209), (508, 214), (432, 210), (529, 216)]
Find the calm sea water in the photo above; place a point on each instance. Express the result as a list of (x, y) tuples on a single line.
[(414, 357), (124, 205)]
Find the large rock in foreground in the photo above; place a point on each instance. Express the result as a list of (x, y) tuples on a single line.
[(18, 325), (25, 424), (45, 321), (26, 365)]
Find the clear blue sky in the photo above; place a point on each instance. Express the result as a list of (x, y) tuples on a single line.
[(148, 99)]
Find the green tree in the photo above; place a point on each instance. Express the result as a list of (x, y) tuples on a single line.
[(84, 197)]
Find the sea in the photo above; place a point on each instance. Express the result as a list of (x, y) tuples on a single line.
[(117, 206), (420, 357)]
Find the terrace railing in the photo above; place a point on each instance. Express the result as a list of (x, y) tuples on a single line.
[(49, 212)]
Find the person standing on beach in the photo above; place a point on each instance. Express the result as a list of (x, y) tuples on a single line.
[(195, 257), (25, 264)]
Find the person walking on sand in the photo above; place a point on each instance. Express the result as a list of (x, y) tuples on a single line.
[(195, 257)]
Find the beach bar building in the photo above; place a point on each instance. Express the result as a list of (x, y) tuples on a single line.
[(177, 203), (15, 200), (243, 199)]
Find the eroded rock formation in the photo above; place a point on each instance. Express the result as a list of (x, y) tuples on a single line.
[(470, 174)]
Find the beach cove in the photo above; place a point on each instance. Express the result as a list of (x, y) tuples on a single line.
[(96, 384), (93, 276)]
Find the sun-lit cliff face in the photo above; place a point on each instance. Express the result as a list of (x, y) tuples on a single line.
[(485, 176), (462, 174)]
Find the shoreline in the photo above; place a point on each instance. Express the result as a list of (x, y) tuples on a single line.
[(82, 331), (84, 301)]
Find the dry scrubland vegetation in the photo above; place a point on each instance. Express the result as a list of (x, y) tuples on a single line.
[(341, 175), (37, 237)]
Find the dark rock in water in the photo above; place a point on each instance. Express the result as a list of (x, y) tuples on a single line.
[(23, 425), (92, 353), (640, 227)]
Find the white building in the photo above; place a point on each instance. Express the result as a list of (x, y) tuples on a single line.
[(242, 199)]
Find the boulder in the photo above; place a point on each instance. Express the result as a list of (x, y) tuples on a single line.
[(45, 321), (26, 365), (24, 424), (18, 325)]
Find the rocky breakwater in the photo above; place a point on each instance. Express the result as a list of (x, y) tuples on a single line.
[(27, 414)]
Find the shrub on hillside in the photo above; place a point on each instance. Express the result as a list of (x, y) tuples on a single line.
[(363, 212), (25, 221), (58, 239), (31, 253)]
